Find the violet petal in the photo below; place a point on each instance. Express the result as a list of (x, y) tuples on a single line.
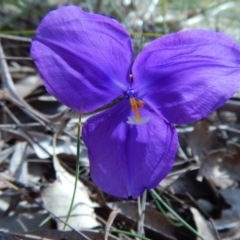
[(127, 159), (84, 59), (187, 75)]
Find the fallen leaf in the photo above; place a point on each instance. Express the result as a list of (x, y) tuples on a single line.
[(154, 220), (57, 198), (26, 86), (204, 227), (201, 139)]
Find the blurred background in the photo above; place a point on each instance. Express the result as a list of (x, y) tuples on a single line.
[(150, 18)]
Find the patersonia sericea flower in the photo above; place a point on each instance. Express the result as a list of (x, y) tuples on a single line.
[(85, 60)]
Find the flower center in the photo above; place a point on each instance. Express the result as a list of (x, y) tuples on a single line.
[(136, 119), (130, 93), (135, 104), (134, 107)]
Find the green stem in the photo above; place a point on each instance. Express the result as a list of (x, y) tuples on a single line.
[(17, 32), (175, 214), (159, 206), (77, 172)]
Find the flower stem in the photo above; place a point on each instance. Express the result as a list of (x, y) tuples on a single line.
[(175, 214), (77, 170), (161, 209)]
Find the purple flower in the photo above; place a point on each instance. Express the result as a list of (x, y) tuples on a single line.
[(85, 60)]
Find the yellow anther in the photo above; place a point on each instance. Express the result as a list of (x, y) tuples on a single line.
[(134, 107), (136, 119)]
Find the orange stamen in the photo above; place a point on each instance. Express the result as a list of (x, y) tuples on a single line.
[(134, 107)]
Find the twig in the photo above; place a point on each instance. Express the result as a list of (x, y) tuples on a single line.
[(30, 139), (28, 236), (141, 213), (17, 38), (18, 100), (214, 228), (110, 220), (204, 213), (30, 199), (17, 58), (59, 219)]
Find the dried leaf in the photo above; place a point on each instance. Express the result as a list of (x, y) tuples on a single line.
[(230, 217), (201, 139), (154, 220), (57, 198), (18, 164), (24, 217), (26, 86), (222, 167), (54, 234), (204, 227)]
